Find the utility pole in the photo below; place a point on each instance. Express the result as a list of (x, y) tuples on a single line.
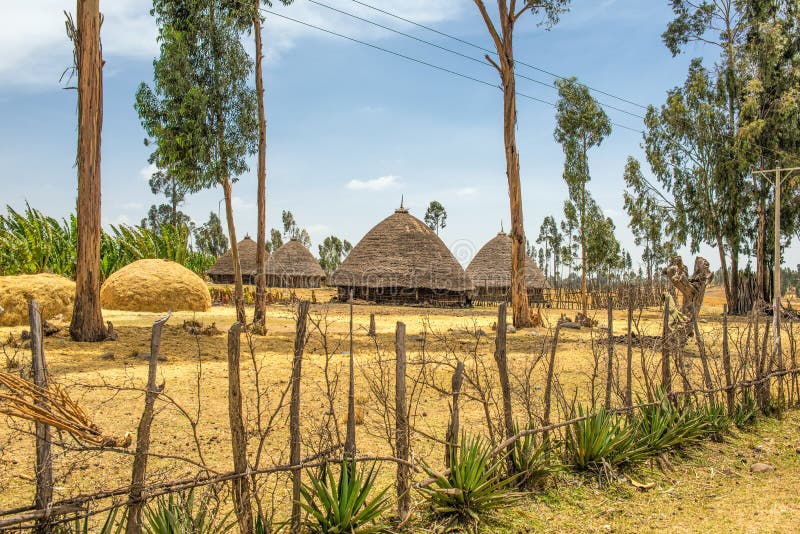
[(777, 353)]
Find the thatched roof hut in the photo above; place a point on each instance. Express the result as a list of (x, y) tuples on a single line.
[(222, 271), (292, 265), (402, 261), (490, 271)]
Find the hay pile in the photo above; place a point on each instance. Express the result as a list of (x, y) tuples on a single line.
[(55, 295), (155, 286)]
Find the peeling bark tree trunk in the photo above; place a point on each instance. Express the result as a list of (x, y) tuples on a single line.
[(87, 317), (261, 238), (241, 485), (692, 291), (505, 50), (238, 291)]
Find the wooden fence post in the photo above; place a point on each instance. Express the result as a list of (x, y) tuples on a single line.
[(453, 427), (241, 485), (350, 438), (401, 426), (294, 414), (134, 522), (610, 367), (501, 357), (666, 372), (726, 361), (548, 387), (372, 332), (44, 459), (629, 371)]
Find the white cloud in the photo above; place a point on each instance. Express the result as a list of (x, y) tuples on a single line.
[(467, 191), (318, 229), (147, 172), (377, 184), (238, 203), (36, 49)]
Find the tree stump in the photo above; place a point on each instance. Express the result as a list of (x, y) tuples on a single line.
[(692, 290)]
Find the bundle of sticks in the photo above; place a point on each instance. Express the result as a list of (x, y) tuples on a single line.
[(52, 406)]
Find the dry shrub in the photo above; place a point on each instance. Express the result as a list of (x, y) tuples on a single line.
[(55, 295), (155, 286)]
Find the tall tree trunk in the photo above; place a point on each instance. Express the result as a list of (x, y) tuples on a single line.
[(238, 292), (584, 298), (519, 288), (261, 239), (87, 316), (761, 271), (734, 299), (723, 262)]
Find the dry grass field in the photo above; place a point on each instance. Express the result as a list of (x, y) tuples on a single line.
[(710, 488)]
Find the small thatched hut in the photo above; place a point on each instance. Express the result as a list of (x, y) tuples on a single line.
[(222, 271), (490, 271), (292, 265), (402, 261)]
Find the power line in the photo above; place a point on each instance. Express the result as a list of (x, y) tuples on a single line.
[(423, 62), (455, 52), (494, 52)]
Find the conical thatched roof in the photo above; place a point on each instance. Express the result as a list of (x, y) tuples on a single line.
[(247, 259), (491, 266), (292, 259), (401, 251)]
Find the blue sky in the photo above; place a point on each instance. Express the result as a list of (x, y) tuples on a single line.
[(350, 129)]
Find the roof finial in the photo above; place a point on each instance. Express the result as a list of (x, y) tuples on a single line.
[(401, 201), (502, 231)]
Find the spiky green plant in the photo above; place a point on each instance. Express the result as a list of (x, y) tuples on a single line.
[(664, 426), (746, 410), (532, 459), (602, 438), (474, 487), (344, 504), (182, 514), (31, 242), (80, 524)]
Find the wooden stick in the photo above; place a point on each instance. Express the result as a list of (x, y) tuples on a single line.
[(666, 372), (501, 358), (610, 366), (241, 486), (629, 371), (401, 426), (726, 360), (548, 387), (294, 413), (134, 523), (453, 428), (44, 459), (350, 439)]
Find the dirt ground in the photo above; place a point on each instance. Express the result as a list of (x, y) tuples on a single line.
[(710, 489)]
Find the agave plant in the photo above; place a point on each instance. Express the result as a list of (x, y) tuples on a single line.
[(664, 426), (80, 524), (181, 514), (745, 411), (602, 438), (344, 504), (474, 487), (532, 460)]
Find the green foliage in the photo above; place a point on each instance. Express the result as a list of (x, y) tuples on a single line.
[(344, 504), (436, 216), (210, 237), (746, 410), (474, 487), (533, 460), (80, 525), (603, 438), (182, 514), (663, 427), (332, 251), (292, 231), (552, 239)]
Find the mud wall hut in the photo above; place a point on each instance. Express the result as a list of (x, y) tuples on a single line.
[(402, 261), (292, 265), (490, 271), (222, 271)]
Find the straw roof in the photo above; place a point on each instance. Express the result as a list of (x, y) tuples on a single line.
[(247, 259), (491, 266), (401, 251), (293, 259)]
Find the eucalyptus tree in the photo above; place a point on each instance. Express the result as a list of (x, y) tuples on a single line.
[(87, 316), (436, 216), (682, 143), (552, 238), (501, 32), (649, 217), (292, 231), (581, 125), (601, 250), (569, 225), (200, 114), (332, 252), (261, 233), (210, 237)]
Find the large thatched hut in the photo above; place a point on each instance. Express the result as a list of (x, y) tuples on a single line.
[(222, 271), (292, 265), (402, 261), (490, 271)]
